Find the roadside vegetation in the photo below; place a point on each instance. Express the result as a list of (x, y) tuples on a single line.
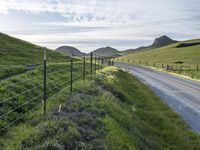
[(112, 111), (181, 58)]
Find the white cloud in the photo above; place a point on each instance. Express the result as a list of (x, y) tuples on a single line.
[(99, 20)]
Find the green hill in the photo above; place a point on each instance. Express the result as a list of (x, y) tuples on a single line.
[(68, 50), (106, 52), (18, 56), (14, 51), (170, 54), (158, 42), (185, 53)]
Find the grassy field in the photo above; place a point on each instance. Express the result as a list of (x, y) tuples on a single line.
[(113, 111), (178, 57)]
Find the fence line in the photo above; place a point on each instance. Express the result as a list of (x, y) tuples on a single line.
[(45, 74)]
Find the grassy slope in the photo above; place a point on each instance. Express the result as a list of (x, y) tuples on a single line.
[(114, 112), (16, 54), (169, 55)]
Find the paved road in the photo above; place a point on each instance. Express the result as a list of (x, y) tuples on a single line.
[(183, 95)]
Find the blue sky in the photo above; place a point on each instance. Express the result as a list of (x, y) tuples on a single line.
[(90, 24)]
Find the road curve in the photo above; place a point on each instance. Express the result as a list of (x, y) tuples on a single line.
[(183, 95)]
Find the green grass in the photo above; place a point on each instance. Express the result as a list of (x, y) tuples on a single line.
[(17, 55), (31, 85), (114, 111), (142, 119), (17, 52), (169, 55)]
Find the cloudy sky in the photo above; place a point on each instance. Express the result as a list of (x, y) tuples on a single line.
[(89, 24)]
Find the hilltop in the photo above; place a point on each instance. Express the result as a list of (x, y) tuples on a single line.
[(106, 51), (162, 41), (158, 42), (69, 50)]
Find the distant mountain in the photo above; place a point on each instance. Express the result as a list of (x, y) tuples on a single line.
[(158, 42), (106, 52), (162, 41), (69, 50)]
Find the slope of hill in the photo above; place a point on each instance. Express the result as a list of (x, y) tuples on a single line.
[(133, 50), (158, 42), (106, 51), (68, 50), (14, 51), (184, 54), (170, 54), (18, 56)]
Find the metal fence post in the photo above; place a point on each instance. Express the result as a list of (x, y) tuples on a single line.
[(95, 63), (71, 80), (84, 67), (45, 85), (91, 55), (98, 63)]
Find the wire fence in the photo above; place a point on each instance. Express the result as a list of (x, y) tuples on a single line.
[(182, 68), (24, 92)]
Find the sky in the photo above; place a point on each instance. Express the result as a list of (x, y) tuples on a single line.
[(90, 24)]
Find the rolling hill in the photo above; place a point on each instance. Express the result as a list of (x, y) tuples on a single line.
[(14, 51), (106, 52), (18, 56), (170, 53), (69, 50), (184, 55), (158, 42)]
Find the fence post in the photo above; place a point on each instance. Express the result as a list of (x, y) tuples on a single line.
[(71, 77), (84, 67), (98, 63), (95, 63), (91, 57), (45, 84), (180, 69)]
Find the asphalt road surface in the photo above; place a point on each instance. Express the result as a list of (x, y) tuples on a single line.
[(183, 95)]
